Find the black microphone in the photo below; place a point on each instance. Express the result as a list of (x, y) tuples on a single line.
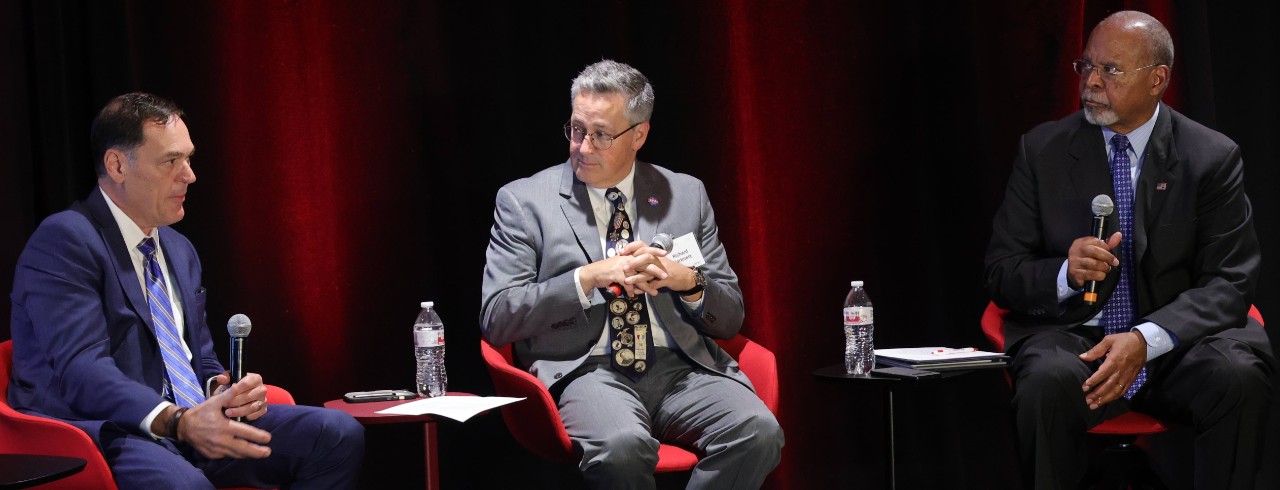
[(238, 326), (660, 241), (1102, 207)]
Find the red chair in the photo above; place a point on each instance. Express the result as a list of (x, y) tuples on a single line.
[(28, 434), (1131, 424), (535, 422)]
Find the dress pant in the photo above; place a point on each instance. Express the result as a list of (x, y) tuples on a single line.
[(617, 424), (311, 448), (1219, 387)]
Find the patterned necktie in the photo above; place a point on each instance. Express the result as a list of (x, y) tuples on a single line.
[(628, 317), (182, 379), (1117, 315)]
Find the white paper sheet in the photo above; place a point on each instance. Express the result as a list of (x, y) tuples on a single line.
[(937, 354), (458, 408)]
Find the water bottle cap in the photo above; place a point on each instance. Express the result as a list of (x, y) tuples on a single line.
[(428, 304), (856, 284)]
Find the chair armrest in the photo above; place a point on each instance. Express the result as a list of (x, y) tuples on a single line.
[(534, 422)]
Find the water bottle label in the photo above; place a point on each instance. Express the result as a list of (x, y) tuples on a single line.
[(428, 338), (858, 315)]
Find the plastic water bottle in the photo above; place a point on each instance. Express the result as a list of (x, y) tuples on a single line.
[(859, 332), (428, 343)]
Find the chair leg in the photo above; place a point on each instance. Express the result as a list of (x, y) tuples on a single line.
[(1122, 465)]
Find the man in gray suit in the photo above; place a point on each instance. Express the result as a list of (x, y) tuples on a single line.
[(620, 333)]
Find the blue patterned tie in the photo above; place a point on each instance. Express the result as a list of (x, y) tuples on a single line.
[(628, 317), (1117, 315), (186, 390)]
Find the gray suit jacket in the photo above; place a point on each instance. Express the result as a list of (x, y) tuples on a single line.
[(544, 229)]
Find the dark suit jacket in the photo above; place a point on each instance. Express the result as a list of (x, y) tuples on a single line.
[(1196, 252), (83, 343), (544, 228)]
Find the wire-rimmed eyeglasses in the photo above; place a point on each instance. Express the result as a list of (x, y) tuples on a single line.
[(599, 139), (1107, 72)]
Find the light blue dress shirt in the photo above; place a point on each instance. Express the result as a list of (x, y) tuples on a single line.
[(1159, 340)]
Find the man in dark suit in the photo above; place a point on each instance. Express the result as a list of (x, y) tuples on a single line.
[(1168, 334), (637, 365), (109, 332)]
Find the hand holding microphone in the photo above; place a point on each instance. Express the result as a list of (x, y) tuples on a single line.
[(238, 327), (1102, 208), (661, 241)]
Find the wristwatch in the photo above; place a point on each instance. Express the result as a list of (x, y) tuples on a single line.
[(699, 283)]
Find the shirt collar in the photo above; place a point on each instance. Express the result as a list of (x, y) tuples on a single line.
[(129, 230), (1138, 138), (627, 185)]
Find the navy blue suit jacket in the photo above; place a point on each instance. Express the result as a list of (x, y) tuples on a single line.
[(84, 349)]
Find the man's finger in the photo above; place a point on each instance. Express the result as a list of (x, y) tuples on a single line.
[(1097, 351)]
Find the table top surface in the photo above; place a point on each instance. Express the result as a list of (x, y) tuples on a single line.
[(26, 470), (836, 373), (366, 412)]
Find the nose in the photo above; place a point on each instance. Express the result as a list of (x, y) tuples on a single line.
[(1094, 77), (188, 174)]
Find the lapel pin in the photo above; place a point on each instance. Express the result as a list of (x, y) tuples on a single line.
[(653, 201), (1162, 186)]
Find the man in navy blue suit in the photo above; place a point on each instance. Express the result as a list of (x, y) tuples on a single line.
[(109, 332)]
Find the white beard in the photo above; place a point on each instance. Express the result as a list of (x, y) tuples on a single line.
[(1102, 117)]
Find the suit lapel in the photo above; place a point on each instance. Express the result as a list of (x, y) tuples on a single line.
[(1090, 173), (183, 283), (577, 211), (122, 264), (652, 199), (1154, 181)]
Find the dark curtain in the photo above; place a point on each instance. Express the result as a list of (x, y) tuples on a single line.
[(349, 153)]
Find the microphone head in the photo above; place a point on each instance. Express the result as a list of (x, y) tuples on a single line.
[(239, 326), (1103, 206), (662, 241)]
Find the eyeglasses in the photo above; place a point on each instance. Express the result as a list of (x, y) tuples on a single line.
[(1107, 72), (599, 139)]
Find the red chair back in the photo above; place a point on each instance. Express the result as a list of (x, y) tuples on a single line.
[(993, 323), (535, 422), (28, 434)]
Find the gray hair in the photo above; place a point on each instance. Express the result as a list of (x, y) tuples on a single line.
[(611, 77), (1159, 42)]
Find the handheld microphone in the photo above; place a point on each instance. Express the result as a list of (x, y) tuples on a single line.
[(661, 241), (238, 326), (1102, 208)]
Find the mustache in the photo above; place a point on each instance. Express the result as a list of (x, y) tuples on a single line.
[(1088, 98)]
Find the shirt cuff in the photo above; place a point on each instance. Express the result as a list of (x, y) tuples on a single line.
[(1065, 291), (1159, 340), (151, 417), (694, 307), (582, 297)]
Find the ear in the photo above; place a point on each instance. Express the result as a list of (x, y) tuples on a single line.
[(116, 163), (642, 135), (1159, 80)]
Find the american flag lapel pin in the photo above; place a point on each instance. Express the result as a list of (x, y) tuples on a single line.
[(653, 201)]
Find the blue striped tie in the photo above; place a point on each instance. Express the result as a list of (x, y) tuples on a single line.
[(1117, 315), (186, 390)]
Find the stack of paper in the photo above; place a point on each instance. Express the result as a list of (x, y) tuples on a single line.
[(458, 408), (940, 358)]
